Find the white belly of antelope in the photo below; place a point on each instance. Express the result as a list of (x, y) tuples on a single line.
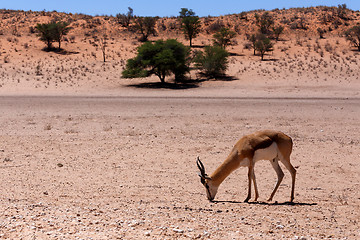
[(268, 153)]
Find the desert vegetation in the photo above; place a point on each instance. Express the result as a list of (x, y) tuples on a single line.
[(100, 138), (52, 32), (311, 44)]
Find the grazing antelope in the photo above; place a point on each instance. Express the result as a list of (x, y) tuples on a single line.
[(263, 145)]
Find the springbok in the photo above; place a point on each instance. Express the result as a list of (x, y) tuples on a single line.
[(262, 145)]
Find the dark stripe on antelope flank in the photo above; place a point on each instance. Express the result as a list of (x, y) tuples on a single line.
[(263, 144)]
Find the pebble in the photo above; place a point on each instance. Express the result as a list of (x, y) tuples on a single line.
[(178, 230), (147, 233), (279, 226)]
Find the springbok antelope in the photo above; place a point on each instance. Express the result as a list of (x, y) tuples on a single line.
[(262, 145)]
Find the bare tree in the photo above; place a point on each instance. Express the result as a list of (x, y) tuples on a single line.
[(102, 43)]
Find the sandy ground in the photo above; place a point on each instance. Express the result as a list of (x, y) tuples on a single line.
[(124, 168), (86, 154)]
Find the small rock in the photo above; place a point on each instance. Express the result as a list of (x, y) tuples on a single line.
[(60, 165), (147, 233), (279, 226), (178, 230)]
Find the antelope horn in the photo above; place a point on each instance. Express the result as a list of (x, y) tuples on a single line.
[(202, 169)]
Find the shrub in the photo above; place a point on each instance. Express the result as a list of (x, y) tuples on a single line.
[(264, 22), (353, 36), (160, 58), (124, 19), (213, 62)]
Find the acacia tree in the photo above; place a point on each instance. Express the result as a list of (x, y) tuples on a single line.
[(253, 38), (52, 32), (191, 24), (146, 26), (223, 37), (45, 34), (161, 58), (277, 31), (353, 36), (60, 29), (263, 45)]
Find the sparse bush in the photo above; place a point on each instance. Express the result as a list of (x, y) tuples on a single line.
[(353, 36), (32, 29), (264, 22), (7, 59), (216, 26), (342, 11), (72, 39), (321, 32), (213, 62), (328, 47), (38, 70), (125, 19)]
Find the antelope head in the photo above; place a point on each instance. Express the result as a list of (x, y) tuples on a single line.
[(206, 181)]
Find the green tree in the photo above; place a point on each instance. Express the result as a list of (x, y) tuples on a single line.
[(191, 24), (223, 37), (161, 58), (146, 26), (353, 36), (263, 45), (60, 29), (52, 32), (45, 33), (213, 62)]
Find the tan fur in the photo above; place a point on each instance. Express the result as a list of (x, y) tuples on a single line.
[(262, 145)]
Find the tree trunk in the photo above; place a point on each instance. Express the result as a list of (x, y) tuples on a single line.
[(48, 45)]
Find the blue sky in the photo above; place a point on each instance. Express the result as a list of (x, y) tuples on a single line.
[(165, 7)]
